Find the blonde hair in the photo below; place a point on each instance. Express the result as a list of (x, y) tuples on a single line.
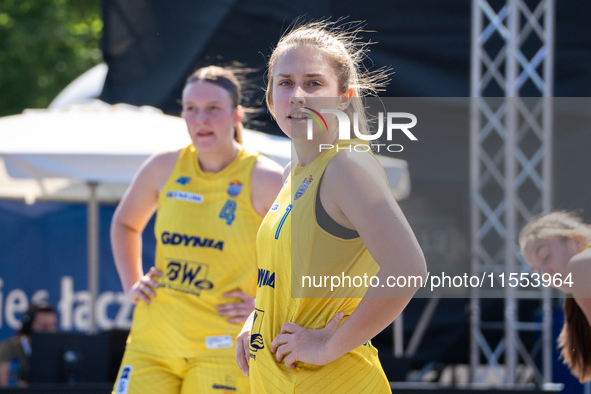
[(344, 51), (574, 340), (560, 224), (225, 78)]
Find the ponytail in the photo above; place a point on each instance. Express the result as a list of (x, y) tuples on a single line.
[(238, 133)]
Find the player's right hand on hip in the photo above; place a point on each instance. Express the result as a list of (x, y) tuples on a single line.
[(145, 288), (242, 345)]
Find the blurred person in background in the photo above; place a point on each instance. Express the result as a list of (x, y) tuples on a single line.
[(210, 199), (15, 352), (558, 247)]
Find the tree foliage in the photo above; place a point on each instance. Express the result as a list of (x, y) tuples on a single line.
[(44, 45)]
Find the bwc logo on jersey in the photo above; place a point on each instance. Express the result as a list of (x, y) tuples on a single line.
[(186, 276)]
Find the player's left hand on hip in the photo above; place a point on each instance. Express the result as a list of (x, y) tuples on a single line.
[(237, 312), (296, 343)]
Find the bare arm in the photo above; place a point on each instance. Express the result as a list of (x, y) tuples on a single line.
[(355, 194), (287, 170), (266, 183), (131, 216), (371, 210)]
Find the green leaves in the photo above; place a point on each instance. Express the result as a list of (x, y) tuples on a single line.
[(44, 45)]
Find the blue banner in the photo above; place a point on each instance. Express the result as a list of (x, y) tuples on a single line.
[(43, 256)]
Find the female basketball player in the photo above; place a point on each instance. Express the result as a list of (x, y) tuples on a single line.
[(210, 197), (334, 214), (557, 246)]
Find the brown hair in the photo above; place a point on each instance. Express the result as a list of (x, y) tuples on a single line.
[(342, 48), (225, 78), (575, 341), (575, 337)]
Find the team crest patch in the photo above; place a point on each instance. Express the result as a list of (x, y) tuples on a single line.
[(234, 188), (303, 187), (183, 180)]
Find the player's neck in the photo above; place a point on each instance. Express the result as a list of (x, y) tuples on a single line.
[(218, 159), (308, 150)]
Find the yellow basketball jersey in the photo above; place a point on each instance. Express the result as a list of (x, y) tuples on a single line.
[(291, 245), (205, 246)]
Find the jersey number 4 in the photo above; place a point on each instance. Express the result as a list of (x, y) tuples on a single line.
[(228, 212)]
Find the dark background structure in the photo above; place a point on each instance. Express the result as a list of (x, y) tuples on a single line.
[(151, 47)]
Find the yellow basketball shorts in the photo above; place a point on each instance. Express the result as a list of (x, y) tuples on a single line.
[(358, 372), (142, 373)]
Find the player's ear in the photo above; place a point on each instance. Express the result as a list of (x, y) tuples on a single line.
[(238, 115), (579, 241), (345, 99)]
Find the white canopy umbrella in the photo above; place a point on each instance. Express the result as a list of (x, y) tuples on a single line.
[(91, 153)]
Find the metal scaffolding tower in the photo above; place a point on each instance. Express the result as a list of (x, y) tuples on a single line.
[(510, 172)]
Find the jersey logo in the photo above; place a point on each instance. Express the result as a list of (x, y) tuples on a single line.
[(234, 188), (274, 207), (190, 240), (228, 212), (303, 187), (226, 388), (123, 383), (256, 339), (186, 276), (183, 180), (266, 278), (191, 197), (229, 385), (218, 342)]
